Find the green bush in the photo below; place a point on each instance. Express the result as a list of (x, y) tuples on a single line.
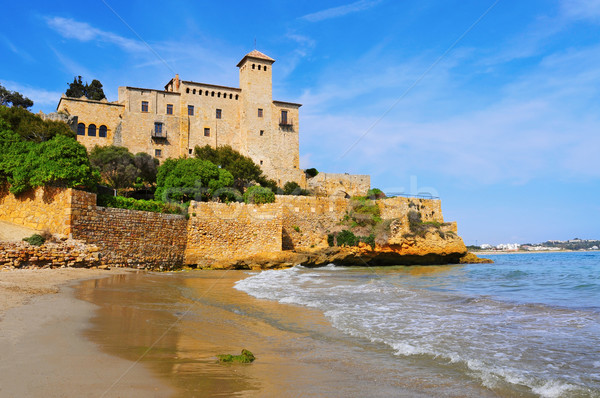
[(312, 172), (35, 240), (292, 188), (246, 357), (155, 206), (348, 238), (364, 212), (259, 195), (375, 193)]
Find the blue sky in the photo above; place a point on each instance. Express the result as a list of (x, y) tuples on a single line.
[(493, 105)]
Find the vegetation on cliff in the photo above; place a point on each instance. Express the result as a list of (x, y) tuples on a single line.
[(155, 206), (259, 195), (14, 98), (91, 91)]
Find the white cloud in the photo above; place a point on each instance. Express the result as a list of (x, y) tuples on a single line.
[(340, 11), (39, 96), (581, 9), (82, 31)]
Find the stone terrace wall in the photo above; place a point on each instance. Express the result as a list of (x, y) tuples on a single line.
[(307, 219), (130, 237), (49, 255), (340, 185), (43, 209), (398, 207), (218, 230)]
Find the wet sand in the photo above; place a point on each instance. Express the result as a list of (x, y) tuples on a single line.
[(176, 324), (43, 352)]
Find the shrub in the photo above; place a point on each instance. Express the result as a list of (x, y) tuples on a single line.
[(296, 228), (375, 193), (245, 357), (155, 206), (364, 212), (259, 195), (312, 172), (35, 240), (292, 188), (346, 238)]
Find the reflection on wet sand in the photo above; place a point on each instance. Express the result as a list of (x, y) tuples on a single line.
[(176, 324)]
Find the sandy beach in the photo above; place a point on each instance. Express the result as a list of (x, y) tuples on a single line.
[(43, 352)]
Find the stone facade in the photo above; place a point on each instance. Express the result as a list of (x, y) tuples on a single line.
[(340, 185), (171, 122), (218, 230)]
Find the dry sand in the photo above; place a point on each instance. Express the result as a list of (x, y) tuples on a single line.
[(42, 349), (13, 233)]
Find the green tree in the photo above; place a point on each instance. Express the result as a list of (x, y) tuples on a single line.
[(14, 98), (292, 188), (91, 91), (94, 91), (187, 179), (148, 167), (76, 89), (116, 166), (242, 168)]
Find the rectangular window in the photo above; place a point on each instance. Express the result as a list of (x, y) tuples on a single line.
[(191, 110), (157, 153), (169, 109), (190, 151), (206, 132), (158, 129), (260, 112), (218, 113), (262, 132), (144, 106), (284, 118)]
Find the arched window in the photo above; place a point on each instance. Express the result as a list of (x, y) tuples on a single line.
[(92, 130), (199, 92), (212, 94), (81, 129), (219, 95), (230, 96), (265, 68), (258, 67), (194, 91), (206, 93), (187, 90), (102, 131), (236, 96), (253, 66)]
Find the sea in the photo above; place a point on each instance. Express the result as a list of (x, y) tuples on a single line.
[(527, 325)]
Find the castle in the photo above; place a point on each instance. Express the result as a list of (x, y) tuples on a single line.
[(169, 123)]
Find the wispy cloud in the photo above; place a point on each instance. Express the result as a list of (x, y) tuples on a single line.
[(82, 31), (340, 11), (72, 67), (20, 52), (38, 95), (581, 9)]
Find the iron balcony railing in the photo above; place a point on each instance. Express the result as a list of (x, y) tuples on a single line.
[(286, 121)]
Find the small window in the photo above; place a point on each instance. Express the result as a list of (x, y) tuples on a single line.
[(262, 132), (158, 153), (261, 162), (191, 110), (187, 90), (258, 67), (158, 129), (81, 129), (253, 66), (212, 94), (284, 117), (144, 106), (169, 109), (190, 151), (236, 96), (260, 112), (206, 132), (265, 68), (206, 93), (194, 91), (218, 113), (199, 92), (102, 131), (92, 130), (219, 95)]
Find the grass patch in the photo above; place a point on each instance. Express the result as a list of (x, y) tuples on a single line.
[(245, 357), (35, 240)]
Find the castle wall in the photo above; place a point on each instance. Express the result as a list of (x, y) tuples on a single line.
[(42, 209), (129, 237), (343, 185), (218, 230), (94, 112)]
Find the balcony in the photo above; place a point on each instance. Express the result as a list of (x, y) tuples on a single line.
[(286, 122), (159, 134)]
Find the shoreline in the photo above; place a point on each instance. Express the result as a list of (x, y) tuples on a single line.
[(43, 349)]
